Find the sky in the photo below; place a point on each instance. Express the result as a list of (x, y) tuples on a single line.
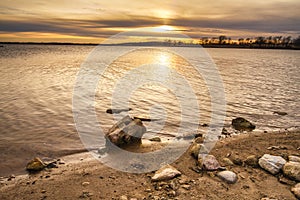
[(93, 21)]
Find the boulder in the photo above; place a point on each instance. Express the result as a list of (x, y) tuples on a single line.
[(252, 161), (126, 132), (296, 190), (272, 164), (242, 124), (208, 162), (165, 173), (228, 176), (292, 170), (35, 164)]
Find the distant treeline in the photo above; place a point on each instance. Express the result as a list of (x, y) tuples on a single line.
[(271, 42)]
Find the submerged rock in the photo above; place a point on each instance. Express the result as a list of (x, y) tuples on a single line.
[(35, 164), (228, 176), (292, 170), (208, 163), (116, 111), (127, 131), (166, 173), (242, 124), (272, 164)]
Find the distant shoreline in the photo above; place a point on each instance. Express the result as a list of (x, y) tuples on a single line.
[(159, 44)]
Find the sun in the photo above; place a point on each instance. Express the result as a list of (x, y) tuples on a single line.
[(164, 28)]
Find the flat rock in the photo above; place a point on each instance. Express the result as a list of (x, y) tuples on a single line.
[(292, 170), (242, 124), (166, 173), (272, 164), (35, 164), (209, 163), (228, 176), (296, 190), (116, 111)]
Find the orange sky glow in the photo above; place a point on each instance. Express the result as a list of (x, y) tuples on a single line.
[(92, 21)]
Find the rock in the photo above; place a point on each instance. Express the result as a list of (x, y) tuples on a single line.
[(285, 180), (242, 124), (85, 183), (209, 163), (155, 139), (116, 111), (228, 176), (236, 160), (272, 164), (166, 173), (292, 170), (186, 187), (277, 148), (294, 158), (143, 119), (280, 113), (35, 165), (296, 190), (227, 162), (194, 151), (225, 132), (252, 161), (126, 132), (123, 197)]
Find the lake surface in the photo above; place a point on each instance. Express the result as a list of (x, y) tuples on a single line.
[(37, 82)]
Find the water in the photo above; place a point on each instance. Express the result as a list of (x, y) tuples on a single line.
[(37, 84)]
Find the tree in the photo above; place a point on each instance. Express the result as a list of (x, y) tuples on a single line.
[(222, 39)]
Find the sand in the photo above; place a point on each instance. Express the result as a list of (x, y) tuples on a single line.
[(83, 177)]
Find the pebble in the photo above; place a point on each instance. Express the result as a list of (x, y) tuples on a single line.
[(227, 162), (272, 164), (85, 183), (186, 187), (296, 190), (155, 139), (228, 176), (43, 191), (35, 164), (292, 170)]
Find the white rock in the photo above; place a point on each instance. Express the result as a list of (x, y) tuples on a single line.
[(296, 190), (294, 158), (292, 170), (272, 164), (228, 176), (165, 173)]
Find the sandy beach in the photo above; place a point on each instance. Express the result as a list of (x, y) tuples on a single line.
[(80, 176)]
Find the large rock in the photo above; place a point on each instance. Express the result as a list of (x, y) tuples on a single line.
[(292, 170), (242, 124), (35, 164), (272, 164), (296, 190), (208, 162), (228, 176), (127, 131), (166, 173), (294, 158)]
